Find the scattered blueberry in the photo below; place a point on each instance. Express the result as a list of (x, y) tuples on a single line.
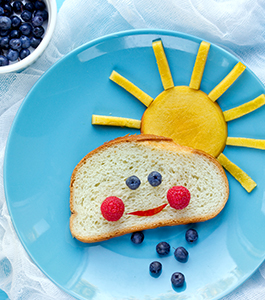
[(177, 279), (191, 235), (3, 61), (24, 53), (133, 182), (155, 268), (137, 237), (5, 23), (163, 248), (181, 254), (26, 15), (154, 178), (12, 55)]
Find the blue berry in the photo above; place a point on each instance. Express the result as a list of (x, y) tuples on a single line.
[(15, 21), (7, 9), (38, 31), (40, 5), (12, 55), (1, 11), (37, 21), (155, 268), (163, 248), (3, 61), (137, 237), (26, 15), (26, 29), (29, 6), (181, 254), (5, 23), (43, 14), (15, 44), (133, 182), (191, 235), (34, 42), (154, 178), (14, 34), (4, 42), (24, 53), (177, 279), (17, 6), (4, 32), (25, 41)]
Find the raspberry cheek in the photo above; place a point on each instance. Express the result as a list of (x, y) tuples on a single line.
[(178, 197), (112, 208)]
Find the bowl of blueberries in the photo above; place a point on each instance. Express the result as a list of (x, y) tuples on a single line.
[(26, 28)]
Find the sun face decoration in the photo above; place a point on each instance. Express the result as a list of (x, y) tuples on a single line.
[(188, 115)]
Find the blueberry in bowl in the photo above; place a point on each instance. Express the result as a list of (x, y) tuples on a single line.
[(26, 28)]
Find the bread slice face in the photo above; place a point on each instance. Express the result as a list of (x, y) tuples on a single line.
[(102, 173)]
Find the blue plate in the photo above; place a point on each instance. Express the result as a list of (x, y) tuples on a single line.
[(52, 132)]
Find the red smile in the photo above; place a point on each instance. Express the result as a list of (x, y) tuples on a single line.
[(149, 212)]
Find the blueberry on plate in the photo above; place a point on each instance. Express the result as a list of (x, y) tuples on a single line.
[(181, 254), (154, 178), (3, 61), (155, 268), (177, 279), (191, 235), (133, 182), (137, 237), (163, 248)]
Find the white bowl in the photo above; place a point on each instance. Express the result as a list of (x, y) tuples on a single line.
[(51, 7)]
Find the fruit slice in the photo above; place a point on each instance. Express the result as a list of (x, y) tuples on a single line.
[(131, 88), (162, 64), (227, 81), (149, 212), (245, 108), (235, 171), (115, 121), (189, 117), (246, 142), (199, 65)]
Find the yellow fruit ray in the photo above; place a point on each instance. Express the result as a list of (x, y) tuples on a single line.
[(162, 64), (244, 109), (238, 69), (246, 142), (115, 121), (199, 65), (237, 173), (131, 88)]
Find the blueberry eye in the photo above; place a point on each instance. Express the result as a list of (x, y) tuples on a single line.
[(133, 182), (154, 178)]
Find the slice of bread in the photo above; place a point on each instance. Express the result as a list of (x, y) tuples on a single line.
[(103, 172)]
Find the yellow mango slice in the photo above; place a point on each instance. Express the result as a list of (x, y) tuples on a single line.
[(115, 121), (239, 174), (131, 88), (246, 142), (189, 117), (199, 65), (162, 64), (244, 109), (227, 81)]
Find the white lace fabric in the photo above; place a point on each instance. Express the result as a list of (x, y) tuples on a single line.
[(236, 25)]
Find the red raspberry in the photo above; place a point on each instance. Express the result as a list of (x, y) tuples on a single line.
[(112, 208), (178, 197)]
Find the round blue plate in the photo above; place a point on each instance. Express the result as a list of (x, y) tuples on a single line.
[(52, 132)]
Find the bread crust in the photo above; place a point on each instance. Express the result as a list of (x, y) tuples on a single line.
[(150, 225)]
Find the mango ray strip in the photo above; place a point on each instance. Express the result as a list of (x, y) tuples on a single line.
[(131, 88), (244, 109), (238, 174), (115, 121), (238, 69), (162, 64), (246, 142), (199, 65)]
